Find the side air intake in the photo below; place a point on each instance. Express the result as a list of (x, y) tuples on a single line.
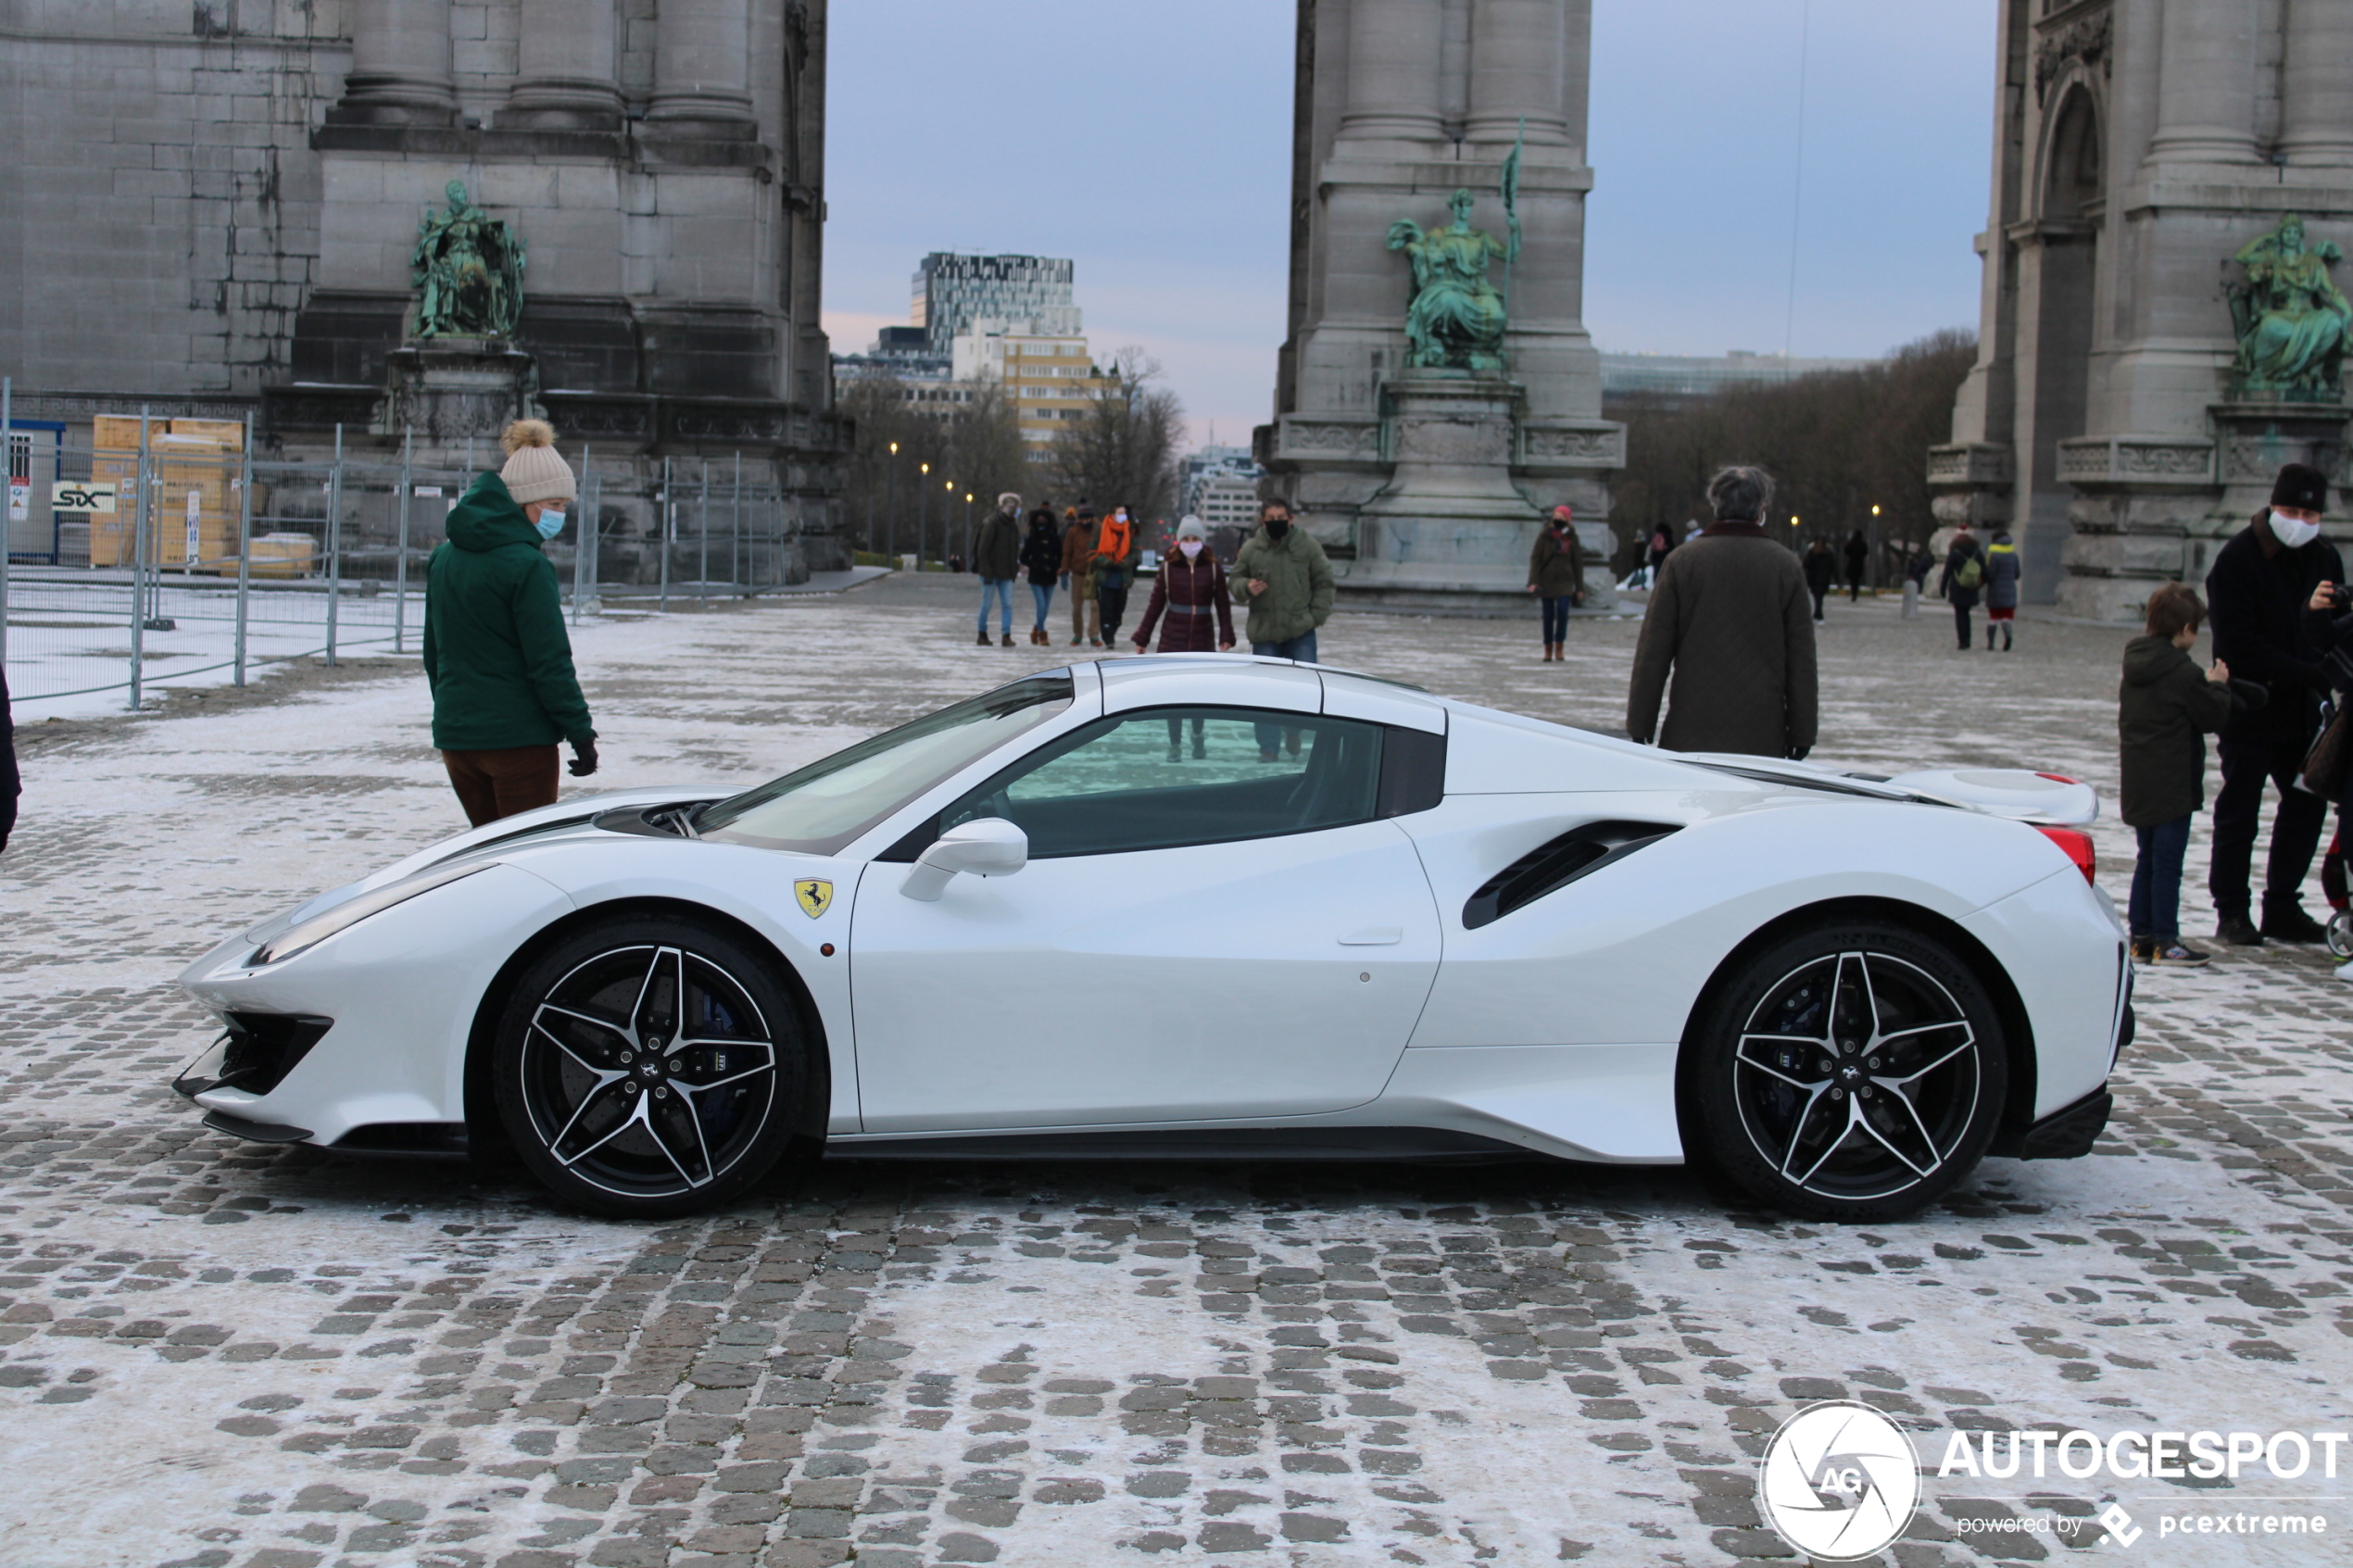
[(1553, 865)]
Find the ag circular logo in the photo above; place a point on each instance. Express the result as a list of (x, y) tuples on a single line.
[(1840, 1481)]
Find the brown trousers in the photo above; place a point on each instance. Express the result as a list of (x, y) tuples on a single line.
[(492, 785), (1083, 609)]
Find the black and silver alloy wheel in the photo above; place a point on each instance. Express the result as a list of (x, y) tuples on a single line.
[(1853, 1075), (649, 1068)]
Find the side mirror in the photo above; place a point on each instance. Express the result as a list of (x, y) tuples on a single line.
[(984, 847)]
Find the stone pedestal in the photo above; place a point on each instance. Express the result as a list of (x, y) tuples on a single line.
[(2137, 501), (2150, 507), (1451, 521), (447, 389)]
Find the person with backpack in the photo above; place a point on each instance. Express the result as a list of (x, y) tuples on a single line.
[(2165, 709), (1964, 573), (2001, 588)]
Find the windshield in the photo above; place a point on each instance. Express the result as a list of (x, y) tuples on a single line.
[(824, 807)]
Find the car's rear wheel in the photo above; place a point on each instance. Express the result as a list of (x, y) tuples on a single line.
[(1850, 1072), (648, 1067)]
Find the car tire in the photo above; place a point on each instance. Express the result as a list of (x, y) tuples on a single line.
[(652, 1066), (1850, 1072)]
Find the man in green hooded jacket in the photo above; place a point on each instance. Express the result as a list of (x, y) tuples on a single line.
[(497, 659), (1284, 578)]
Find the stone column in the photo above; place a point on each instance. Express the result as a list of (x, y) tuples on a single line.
[(565, 79), (1393, 88), (702, 55), (2206, 83), (1517, 67), (2316, 111), (400, 65)]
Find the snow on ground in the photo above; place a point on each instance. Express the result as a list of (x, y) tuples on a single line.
[(227, 1357)]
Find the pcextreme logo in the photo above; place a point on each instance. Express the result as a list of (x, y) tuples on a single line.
[(1839, 1482)]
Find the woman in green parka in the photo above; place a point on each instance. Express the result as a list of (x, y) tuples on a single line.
[(497, 659)]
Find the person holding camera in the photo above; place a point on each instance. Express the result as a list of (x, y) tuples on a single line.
[(2259, 593)]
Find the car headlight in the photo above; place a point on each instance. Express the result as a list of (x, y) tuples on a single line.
[(317, 928)]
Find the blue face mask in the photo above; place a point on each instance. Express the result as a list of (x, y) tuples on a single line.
[(550, 523)]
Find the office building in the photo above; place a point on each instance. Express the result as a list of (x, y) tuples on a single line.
[(951, 292)]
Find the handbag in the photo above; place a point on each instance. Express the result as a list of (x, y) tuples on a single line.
[(2326, 764)]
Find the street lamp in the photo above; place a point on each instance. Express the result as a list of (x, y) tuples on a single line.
[(922, 517), (891, 469)]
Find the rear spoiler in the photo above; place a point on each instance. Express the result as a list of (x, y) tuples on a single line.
[(2043, 799)]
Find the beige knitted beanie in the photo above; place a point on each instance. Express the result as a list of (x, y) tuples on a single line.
[(534, 473)]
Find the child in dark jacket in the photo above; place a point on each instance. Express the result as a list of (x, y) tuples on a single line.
[(2165, 709)]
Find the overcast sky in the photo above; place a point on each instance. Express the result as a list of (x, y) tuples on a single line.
[(1149, 140)]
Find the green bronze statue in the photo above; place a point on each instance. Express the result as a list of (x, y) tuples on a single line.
[(2291, 317), (1456, 317), (467, 270)]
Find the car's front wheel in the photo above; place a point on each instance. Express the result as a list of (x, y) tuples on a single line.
[(1851, 1073), (648, 1067)]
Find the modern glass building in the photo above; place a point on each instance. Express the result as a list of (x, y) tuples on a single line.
[(951, 292)]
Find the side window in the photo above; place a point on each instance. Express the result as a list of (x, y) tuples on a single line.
[(1170, 776)]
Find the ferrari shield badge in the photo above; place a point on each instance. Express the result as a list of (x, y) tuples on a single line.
[(815, 897)]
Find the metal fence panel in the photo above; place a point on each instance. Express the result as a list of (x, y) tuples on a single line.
[(213, 556)]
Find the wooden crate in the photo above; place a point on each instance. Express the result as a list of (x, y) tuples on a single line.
[(180, 463), (281, 555), (230, 433)]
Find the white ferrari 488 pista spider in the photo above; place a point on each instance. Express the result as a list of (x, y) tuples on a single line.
[(1204, 905)]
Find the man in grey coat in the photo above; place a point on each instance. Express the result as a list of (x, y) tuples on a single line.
[(1731, 619)]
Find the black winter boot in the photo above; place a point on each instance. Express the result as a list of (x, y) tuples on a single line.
[(2233, 927), (2285, 920)]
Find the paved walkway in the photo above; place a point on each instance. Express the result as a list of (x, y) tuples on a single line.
[(237, 1358)]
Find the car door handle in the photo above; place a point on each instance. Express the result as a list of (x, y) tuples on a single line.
[(1375, 936)]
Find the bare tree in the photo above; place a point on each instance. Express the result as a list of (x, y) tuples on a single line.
[(1122, 450), (918, 449), (1837, 444)]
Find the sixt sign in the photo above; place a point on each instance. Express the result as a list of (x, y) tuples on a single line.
[(82, 495)]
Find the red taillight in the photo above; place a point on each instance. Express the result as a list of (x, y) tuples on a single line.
[(2057, 778), (2078, 847)]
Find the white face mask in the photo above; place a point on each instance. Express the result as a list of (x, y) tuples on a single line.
[(1191, 547), (1121, 514), (2294, 532), (550, 523)]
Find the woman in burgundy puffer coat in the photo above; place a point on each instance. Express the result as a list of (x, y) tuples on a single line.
[(1190, 589)]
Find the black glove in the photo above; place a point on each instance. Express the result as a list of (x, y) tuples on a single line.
[(583, 758), (1797, 753)]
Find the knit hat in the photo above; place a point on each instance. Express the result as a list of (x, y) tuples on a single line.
[(1008, 495), (534, 473), (1564, 513), (1190, 527), (2301, 487)]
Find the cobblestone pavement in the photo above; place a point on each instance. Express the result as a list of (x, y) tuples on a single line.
[(221, 1355)]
